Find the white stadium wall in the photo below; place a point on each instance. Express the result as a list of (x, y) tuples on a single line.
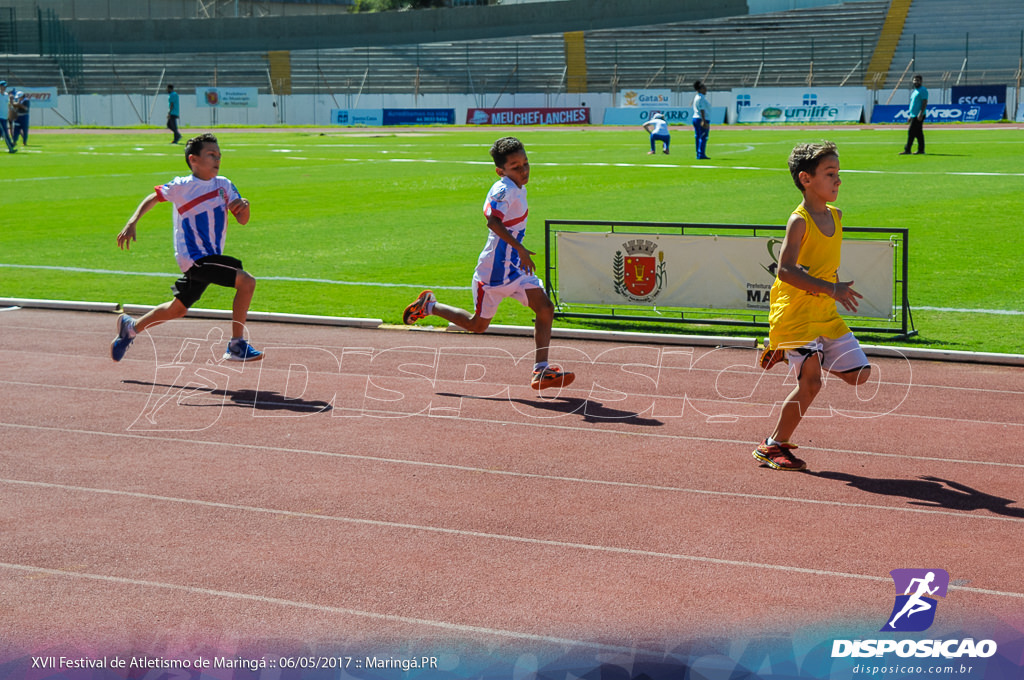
[(151, 110)]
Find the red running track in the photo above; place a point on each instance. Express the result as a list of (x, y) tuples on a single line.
[(379, 487)]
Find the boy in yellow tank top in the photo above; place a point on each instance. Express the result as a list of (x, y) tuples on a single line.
[(805, 326)]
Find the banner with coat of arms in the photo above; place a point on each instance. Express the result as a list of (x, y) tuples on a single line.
[(227, 97), (703, 272)]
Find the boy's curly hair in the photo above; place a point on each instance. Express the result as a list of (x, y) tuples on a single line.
[(505, 147), (806, 157)]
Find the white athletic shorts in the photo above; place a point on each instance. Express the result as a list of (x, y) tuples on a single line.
[(839, 355), (486, 298)]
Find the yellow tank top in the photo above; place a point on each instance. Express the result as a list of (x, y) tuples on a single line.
[(796, 315)]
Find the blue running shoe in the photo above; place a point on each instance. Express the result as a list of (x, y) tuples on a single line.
[(120, 345), (240, 350)]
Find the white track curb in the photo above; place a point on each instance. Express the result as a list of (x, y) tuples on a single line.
[(560, 333)]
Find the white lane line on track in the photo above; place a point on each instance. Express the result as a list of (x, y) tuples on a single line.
[(632, 552), (213, 399), (530, 475), (503, 537), (476, 353), (646, 396), (319, 608)]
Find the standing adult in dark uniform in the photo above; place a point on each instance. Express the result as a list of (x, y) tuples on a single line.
[(918, 103), (173, 113)]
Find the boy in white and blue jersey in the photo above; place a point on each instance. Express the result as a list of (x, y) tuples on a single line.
[(505, 268), (499, 262), (201, 204)]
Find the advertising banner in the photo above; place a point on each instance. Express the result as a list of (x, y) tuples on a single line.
[(799, 96), (419, 116), (940, 113), (227, 97), (41, 97), (673, 116), (703, 272), (842, 113), (647, 98), (370, 117), (529, 116), (966, 95)]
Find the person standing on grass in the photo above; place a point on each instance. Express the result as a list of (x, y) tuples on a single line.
[(805, 327), (659, 133), (201, 203), (19, 122), (173, 113), (701, 120), (4, 97), (505, 268), (916, 112)]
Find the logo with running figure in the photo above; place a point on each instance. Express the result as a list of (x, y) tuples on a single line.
[(639, 275), (914, 609)]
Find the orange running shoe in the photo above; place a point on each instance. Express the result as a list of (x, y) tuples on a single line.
[(551, 376), (778, 456), (418, 309), (770, 357)]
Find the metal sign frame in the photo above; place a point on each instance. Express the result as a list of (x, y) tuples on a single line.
[(901, 323)]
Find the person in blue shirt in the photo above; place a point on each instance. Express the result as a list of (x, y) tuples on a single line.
[(173, 113), (918, 103)]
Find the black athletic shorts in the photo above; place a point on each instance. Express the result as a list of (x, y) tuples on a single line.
[(220, 270)]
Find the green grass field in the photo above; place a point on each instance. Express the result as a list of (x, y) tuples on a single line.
[(367, 218)]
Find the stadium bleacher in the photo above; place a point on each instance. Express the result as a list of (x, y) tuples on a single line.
[(781, 49), (953, 42), (821, 46)]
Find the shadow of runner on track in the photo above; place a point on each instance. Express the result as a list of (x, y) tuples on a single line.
[(931, 492), (591, 411), (261, 400)]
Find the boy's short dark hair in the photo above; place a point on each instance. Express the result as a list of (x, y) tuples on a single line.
[(505, 147), (194, 146), (806, 157), (697, 85)]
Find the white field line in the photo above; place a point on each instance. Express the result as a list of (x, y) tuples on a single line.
[(293, 279), (384, 284)]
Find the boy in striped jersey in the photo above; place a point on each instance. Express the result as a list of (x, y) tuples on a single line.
[(505, 268), (201, 202)]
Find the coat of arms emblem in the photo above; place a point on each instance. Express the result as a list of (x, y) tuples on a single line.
[(639, 274)]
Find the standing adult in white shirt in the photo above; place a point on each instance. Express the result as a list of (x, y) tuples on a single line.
[(701, 119)]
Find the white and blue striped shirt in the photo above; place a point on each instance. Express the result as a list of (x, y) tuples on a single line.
[(499, 262), (200, 215)]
